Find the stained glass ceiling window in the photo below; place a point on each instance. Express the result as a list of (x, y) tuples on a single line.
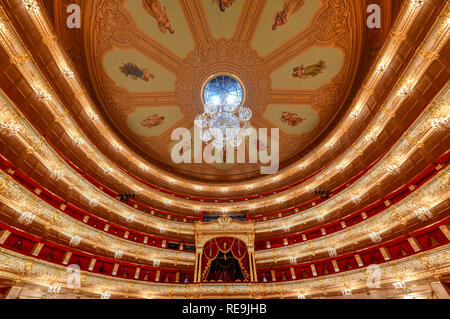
[(223, 84)]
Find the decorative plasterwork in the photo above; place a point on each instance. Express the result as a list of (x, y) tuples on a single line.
[(24, 269), (20, 200), (433, 193), (199, 206), (211, 56), (412, 140), (405, 20), (224, 227), (37, 145), (429, 195)]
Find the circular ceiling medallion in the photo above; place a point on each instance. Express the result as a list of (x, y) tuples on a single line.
[(253, 64), (217, 85)]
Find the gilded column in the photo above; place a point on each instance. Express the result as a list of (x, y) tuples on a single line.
[(199, 266), (255, 275), (250, 263), (196, 267)]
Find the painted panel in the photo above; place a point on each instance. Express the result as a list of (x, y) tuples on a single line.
[(123, 65), (158, 18), (299, 14), (287, 77)]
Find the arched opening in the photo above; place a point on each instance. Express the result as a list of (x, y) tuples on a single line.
[(225, 259)]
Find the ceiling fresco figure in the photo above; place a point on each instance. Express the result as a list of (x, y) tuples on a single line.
[(153, 121), (136, 72), (154, 8), (224, 4), (289, 8), (310, 71), (292, 119)]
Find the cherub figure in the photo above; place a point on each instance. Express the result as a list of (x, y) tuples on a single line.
[(224, 4), (136, 72), (292, 119), (289, 8), (310, 71), (153, 7), (153, 121)]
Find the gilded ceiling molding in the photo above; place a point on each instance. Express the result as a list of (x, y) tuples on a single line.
[(419, 132), (406, 17), (13, 120), (433, 193), (419, 129), (437, 40), (23, 269), (15, 196), (434, 43), (434, 119)]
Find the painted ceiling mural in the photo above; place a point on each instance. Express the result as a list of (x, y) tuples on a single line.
[(149, 59)]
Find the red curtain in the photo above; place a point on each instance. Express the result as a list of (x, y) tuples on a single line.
[(225, 245)]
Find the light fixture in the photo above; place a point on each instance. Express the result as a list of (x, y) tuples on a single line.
[(405, 91), (68, 73), (399, 285), (423, 213), (375, 237), (31, 5), (143, 167), (346, 292), (392, 169), (44, 96), (78, 141), (57, 174), (93, 201), (356, 199), (26, 218), (117, 147), (129, 219), (75, 241), (53, 290), (417, 3), (10, 128), (381, 68), (107, 169), (332, 252), (440, 123), (118, 254), (224, 120)]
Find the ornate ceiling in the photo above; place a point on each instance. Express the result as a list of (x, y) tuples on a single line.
[(148, 61), (304, 65)]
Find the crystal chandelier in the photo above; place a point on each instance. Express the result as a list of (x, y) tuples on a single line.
[(224, 121)]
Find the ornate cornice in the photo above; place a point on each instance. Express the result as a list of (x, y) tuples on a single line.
[(224, 227), (406, 19), (432, 194), (22, 201), (34, 143), (433, 120), (22, 269)]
